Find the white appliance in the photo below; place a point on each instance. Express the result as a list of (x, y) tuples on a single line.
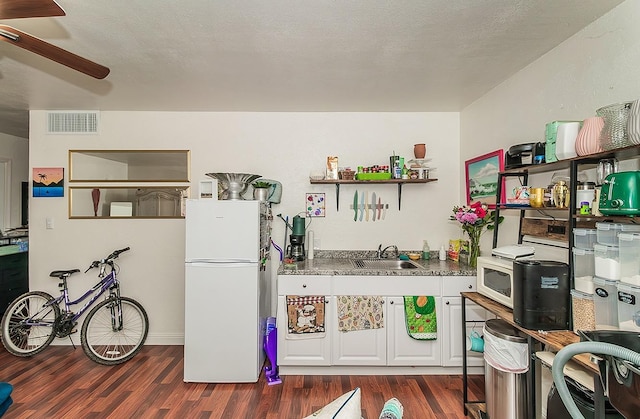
[(495, 273), (226, 290)]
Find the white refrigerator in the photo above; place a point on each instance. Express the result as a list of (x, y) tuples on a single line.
[(226, 290)]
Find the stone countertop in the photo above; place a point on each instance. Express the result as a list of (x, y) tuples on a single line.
[(340, 263)]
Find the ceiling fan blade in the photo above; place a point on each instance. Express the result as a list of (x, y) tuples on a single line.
[(17, 9), (52, 52)]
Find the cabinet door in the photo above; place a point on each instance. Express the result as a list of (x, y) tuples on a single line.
[(452, 344), (303, 350), (359, 347), (402, 349)]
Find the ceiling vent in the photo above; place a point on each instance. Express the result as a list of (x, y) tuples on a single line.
[(72, 122)]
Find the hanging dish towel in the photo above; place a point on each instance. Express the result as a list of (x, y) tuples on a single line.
[(420, 316), (305, 317), (360, 312)]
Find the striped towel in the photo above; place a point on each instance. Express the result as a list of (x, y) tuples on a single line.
[(360, 312), (305, 316), (420, 317)]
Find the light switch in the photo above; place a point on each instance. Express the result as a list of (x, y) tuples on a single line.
[(49, 222)]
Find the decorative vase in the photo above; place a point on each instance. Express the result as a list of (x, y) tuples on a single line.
[(474, 251), (95, 197), (614, 132), (633, 124), (588, 139), (419, 151)]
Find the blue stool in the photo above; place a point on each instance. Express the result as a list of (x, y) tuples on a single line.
[(5, 397)]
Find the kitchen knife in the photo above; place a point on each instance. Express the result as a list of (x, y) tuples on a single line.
[(361, 206), (355, 205), (379, 207), (373, 206), (366, 205)]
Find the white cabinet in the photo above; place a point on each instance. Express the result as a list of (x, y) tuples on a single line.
[(308, 350), (358, 347), (452, 343), (389, 346), (402, 349)]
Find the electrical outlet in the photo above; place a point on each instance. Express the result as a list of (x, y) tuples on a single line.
[(316, 244), (49, 223)]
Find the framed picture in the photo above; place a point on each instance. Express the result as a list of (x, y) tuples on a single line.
[(48, 182), (482, 178), (315, 204)]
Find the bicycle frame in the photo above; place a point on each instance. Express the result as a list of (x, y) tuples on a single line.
[(107, 283)]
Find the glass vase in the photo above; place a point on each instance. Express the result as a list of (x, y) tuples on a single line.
[(474, 252)]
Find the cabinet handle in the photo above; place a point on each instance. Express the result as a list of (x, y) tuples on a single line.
[(391, 302), (304, 285), (447, 303), (470, 286)]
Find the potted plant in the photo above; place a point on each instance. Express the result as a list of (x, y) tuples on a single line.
[(261, 190)]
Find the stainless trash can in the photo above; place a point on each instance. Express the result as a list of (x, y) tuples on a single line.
[(506, 363)]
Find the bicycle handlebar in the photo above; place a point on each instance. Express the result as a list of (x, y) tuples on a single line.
[(113, 255)]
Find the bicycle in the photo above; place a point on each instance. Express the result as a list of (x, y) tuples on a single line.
[(112, 333)]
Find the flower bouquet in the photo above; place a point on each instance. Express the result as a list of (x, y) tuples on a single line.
[(473, 220)]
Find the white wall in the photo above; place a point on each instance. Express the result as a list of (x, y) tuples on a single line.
[(280, 146), (14, 152), (596, 67)]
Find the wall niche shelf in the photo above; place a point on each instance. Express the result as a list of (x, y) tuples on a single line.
[(398, 182)]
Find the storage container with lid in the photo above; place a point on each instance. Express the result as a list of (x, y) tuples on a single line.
[(606, 261), (584, 238), (628, 307), (607, 233), (583, 270), (583, 311), (629, 258), (605, 299)]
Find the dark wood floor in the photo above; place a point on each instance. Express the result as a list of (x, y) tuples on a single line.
[(63, 383)]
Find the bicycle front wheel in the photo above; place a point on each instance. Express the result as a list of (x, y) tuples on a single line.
[(114, 331), (28, 324)]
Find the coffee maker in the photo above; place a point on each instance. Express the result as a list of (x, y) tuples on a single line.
[(296, 248)]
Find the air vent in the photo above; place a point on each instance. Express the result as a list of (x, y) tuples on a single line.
[(72, 122)]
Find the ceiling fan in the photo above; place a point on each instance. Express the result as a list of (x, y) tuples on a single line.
[(17, 9)]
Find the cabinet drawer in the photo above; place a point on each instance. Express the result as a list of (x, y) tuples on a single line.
[(304, 285), (453, 285)]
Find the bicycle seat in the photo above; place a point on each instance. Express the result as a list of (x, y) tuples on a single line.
[(63, 274)]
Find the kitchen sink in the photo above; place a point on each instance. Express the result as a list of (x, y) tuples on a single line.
[(383, 264)]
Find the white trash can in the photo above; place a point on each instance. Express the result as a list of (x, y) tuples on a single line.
[(506, 361)]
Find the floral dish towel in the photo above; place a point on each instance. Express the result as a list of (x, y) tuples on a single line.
[(360, 312)]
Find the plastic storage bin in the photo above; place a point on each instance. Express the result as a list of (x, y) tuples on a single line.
[(629, 258), (628, 307), (584, 238), (583, 270), (583, 310), (607, 233), (605, 300), (606, 261)]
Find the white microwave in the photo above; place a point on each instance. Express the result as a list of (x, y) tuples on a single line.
[(495, 279)]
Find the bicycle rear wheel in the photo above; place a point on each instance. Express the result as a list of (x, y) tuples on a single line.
[(28, 326), (113, 333)]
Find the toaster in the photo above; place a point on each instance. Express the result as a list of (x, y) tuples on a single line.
[(620, 194)]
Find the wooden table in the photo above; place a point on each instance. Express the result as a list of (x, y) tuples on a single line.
[(555, 340)]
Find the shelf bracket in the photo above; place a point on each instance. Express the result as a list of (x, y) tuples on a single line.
[(337, 197), (399, 195)]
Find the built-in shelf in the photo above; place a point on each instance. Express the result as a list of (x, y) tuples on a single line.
[(398, 182)]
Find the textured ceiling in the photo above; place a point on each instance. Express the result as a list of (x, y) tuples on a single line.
[(282, 55)]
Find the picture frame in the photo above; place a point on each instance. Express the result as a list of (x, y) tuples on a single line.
[(481, 175), (47, 182)]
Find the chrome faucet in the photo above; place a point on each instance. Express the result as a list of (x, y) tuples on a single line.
[(381, 253)]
